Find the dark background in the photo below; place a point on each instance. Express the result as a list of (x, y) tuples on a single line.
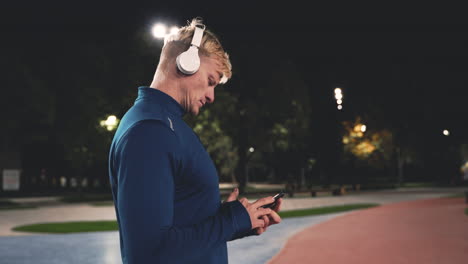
[(402, 67)]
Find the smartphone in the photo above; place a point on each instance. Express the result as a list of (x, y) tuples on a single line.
[(276, 197)]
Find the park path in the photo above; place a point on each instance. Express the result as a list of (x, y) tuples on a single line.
[(425, 231), (50, 210)]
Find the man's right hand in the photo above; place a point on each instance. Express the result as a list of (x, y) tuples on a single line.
[(259, 217), (256, 212)]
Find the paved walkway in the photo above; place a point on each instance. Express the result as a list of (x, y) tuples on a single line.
[(102, 247), (427, 231), (50, 210)]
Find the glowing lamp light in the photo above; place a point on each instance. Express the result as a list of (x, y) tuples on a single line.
[(173, 30), (337, 91), (339, 101), (251, 149), (159, 31), (339, 107), (360, 128), (446, 132), (110, 123)]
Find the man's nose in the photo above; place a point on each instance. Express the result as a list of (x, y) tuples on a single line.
[(210, 96)]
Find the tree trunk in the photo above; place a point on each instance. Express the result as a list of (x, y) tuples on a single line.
[(400, 163), (241, 170)]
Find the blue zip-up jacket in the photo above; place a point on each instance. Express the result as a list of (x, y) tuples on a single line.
[(166, 188)]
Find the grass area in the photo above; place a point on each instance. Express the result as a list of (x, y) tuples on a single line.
[(69, 227), (95, 226), (325, 210), (9, 205), (417, 184)]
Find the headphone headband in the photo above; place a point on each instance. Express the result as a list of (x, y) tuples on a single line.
[(198, 35)]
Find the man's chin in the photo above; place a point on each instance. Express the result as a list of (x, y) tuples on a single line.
[(195, 111)]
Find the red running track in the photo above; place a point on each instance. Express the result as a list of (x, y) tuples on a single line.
[(426, 232)]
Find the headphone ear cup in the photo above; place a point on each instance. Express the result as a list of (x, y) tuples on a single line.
[(188, 62)]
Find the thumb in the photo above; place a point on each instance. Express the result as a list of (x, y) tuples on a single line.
[(233, 195)]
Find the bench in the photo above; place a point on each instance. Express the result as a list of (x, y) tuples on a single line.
[(314, 190), (333, 190)]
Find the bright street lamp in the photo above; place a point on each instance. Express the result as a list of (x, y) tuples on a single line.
[(159, 30), (110, 123), (174, 30), (359, 130), (446, 132), (339, 97), (251, 149), (363, 128)]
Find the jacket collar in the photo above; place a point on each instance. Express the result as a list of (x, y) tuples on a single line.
[(158, 97)]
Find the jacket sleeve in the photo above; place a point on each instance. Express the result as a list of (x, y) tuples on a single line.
[(239, 235), (147, 160)]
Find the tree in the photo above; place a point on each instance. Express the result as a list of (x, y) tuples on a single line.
[(369, 148), (264, 99), (217, 143)]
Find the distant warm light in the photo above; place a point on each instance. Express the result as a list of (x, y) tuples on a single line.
[(337, 91), (339, 101), (446, 132), (159, 31), (464, 170), (359, 129), (345, 140), (174, 30), (251, 149), (110, 123), (339, 107), (364, 148), (465, 167), (338, 96)]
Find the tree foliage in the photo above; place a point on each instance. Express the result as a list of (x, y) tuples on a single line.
[(373, 146)]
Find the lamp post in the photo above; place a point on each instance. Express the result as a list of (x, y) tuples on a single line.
[(251, 150)]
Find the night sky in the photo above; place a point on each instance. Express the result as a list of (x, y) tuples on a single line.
[(408, 61)]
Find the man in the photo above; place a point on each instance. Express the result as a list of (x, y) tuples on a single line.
[(164, 184)]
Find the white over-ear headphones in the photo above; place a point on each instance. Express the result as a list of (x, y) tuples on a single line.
[(188, 62)]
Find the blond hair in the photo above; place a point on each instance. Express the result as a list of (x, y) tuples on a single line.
[(210, 46)]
